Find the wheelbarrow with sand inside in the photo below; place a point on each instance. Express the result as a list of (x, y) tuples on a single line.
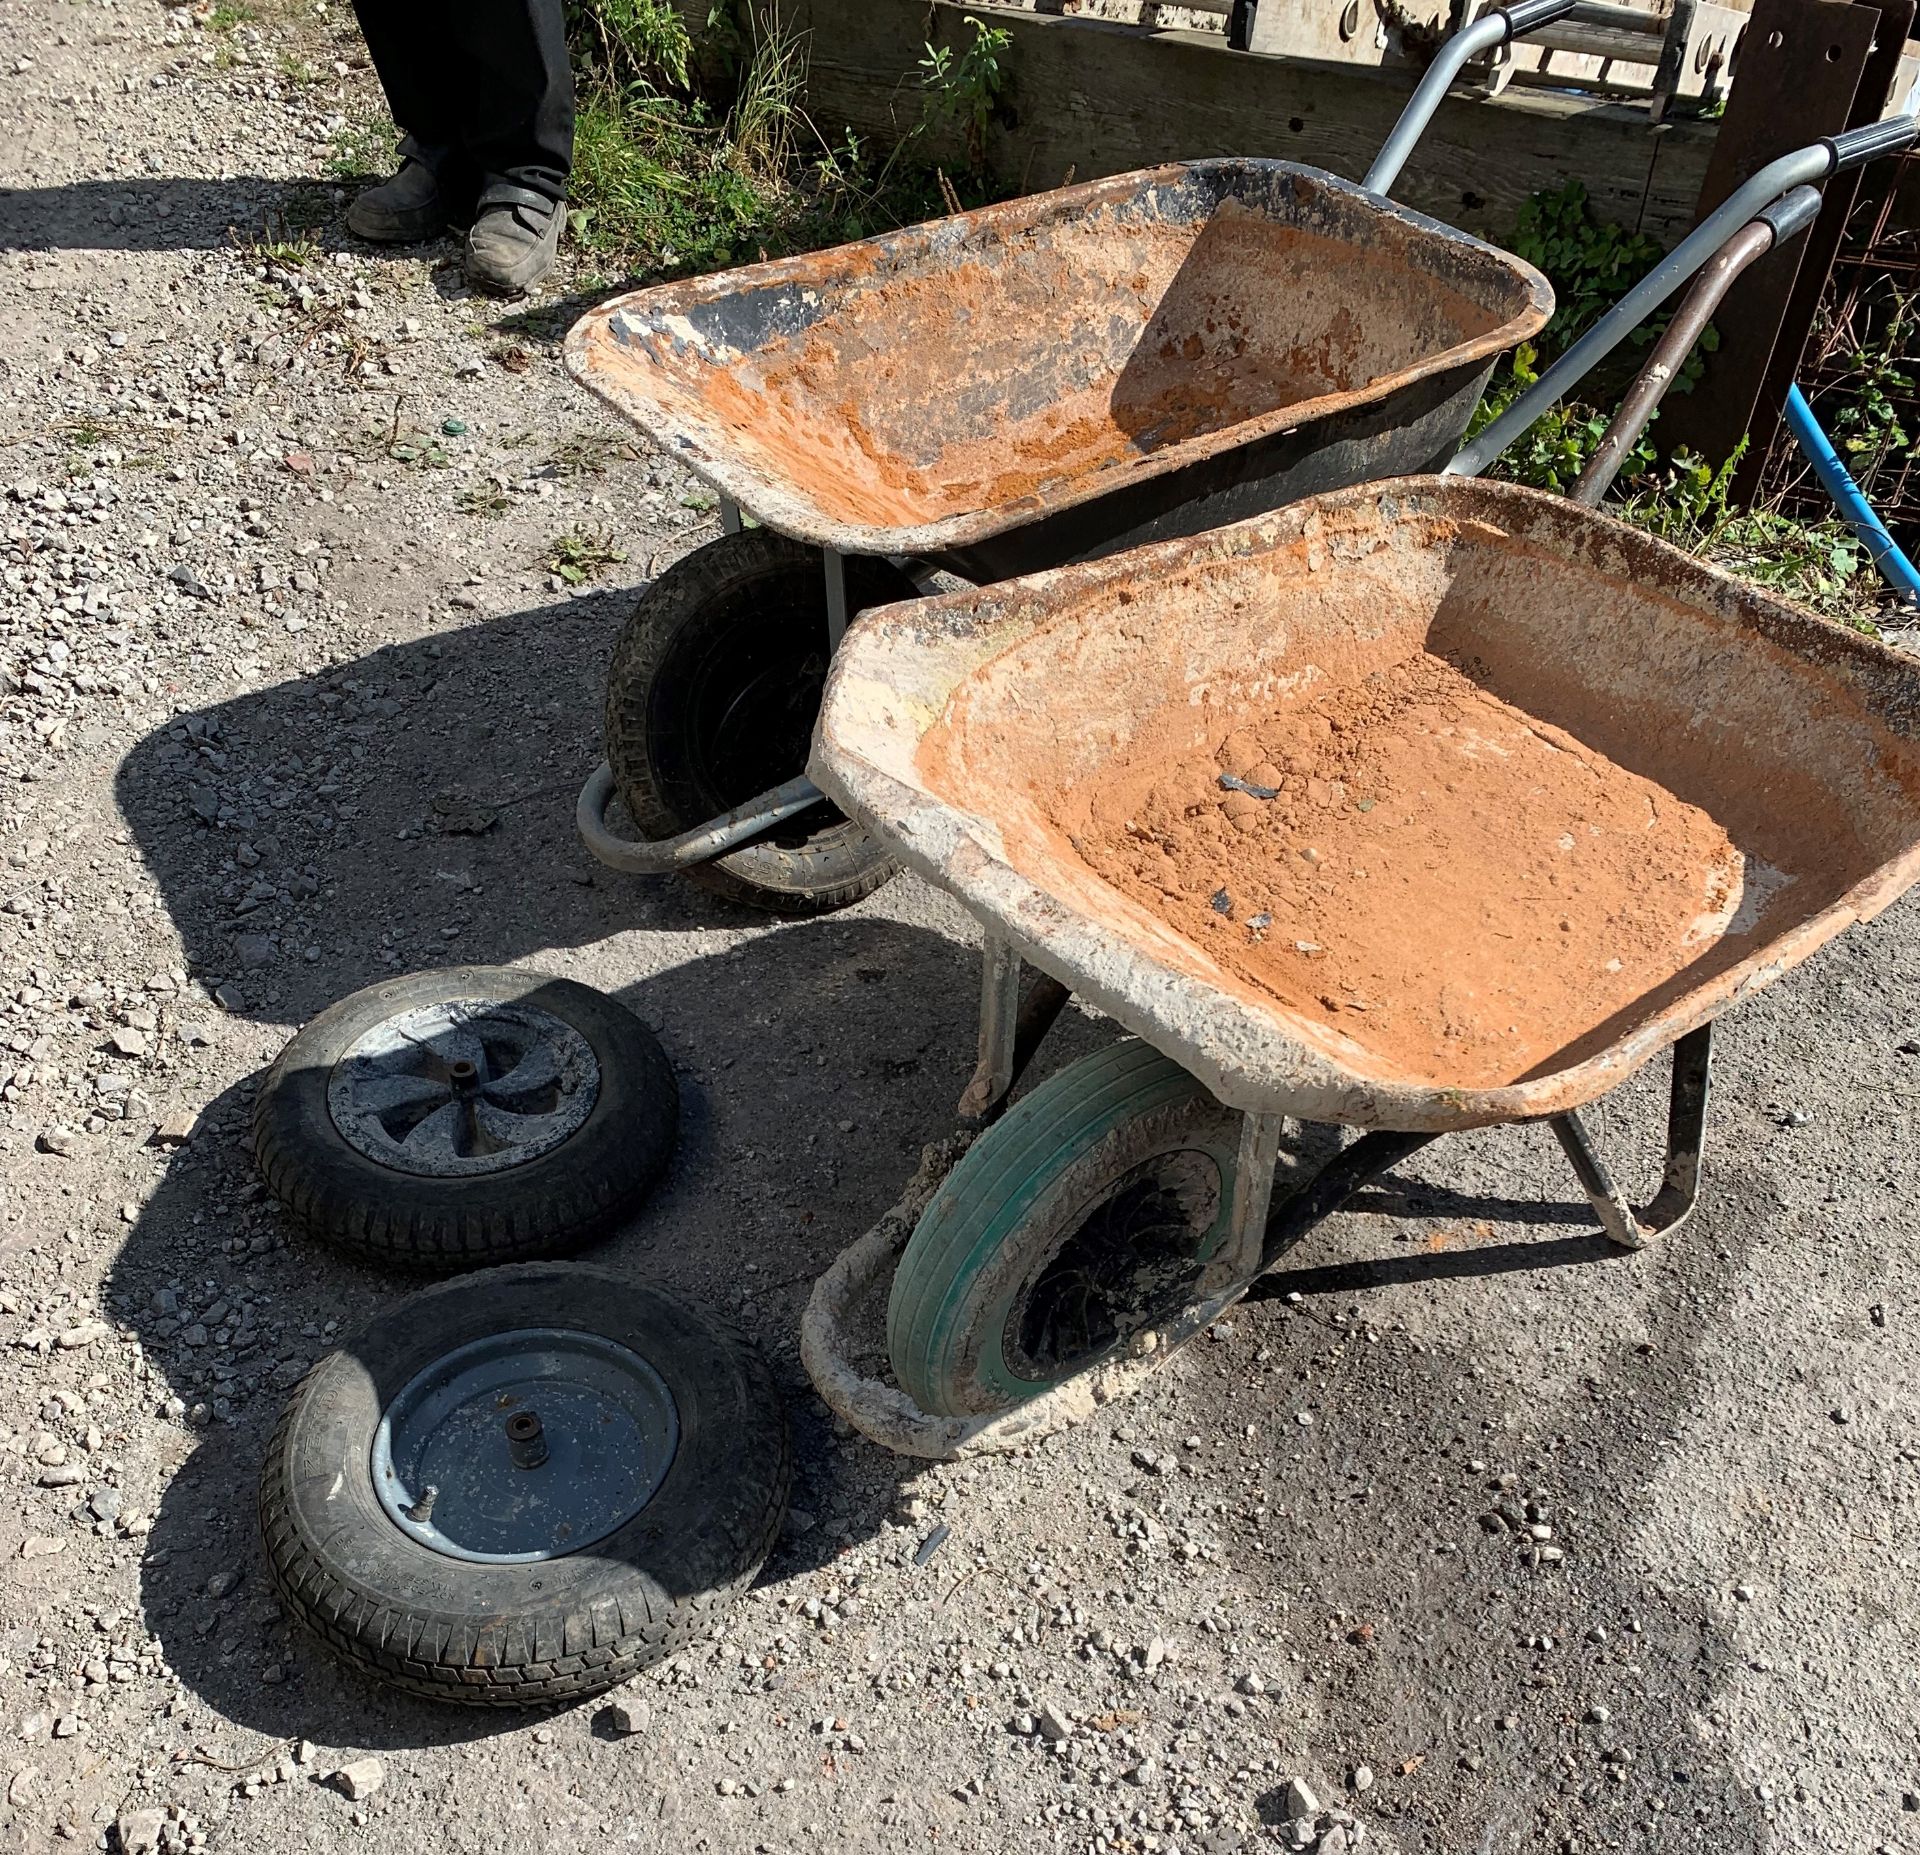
[(1417, 806), (1046, 380)]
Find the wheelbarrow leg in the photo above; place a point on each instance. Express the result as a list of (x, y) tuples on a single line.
[(999, 1015), (1011, 1029), (836, 568), (730, 523), (1686, 1130), (1252, 1198)]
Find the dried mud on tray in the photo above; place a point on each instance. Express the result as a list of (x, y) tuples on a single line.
[(1459, 887), (936, 393), (955, 378)]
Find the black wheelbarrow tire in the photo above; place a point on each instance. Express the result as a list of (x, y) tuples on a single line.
[(559, 1628), (711, 699), (353, 1181)]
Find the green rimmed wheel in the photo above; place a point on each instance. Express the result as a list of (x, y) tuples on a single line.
[(1087, 1215)]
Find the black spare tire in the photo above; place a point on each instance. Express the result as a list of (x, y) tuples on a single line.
[(524, 1486), (472, 1115)]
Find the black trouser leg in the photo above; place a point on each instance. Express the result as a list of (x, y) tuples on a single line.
[(516, 103), (408, 40), (484, 86)]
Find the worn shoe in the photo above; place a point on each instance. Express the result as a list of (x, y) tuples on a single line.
[(403, 210), (515, 235)]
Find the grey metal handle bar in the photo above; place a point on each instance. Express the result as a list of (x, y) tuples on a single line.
[(1806, 166), (700, 845), (1487, 33)]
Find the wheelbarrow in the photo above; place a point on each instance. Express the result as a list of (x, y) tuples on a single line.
[(1042, 381), (1411, 807)]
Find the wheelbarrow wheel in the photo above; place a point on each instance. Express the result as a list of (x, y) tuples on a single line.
[(524, 1486), (711, 700), (479, 1114), (1085, 1216)]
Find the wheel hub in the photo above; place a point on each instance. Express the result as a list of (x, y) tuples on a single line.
[(1136, 1257), (464, 1086), (524, 1446)]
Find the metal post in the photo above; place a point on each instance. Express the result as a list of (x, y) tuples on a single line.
[(999, 1019), (1671, 69), (836, 567)]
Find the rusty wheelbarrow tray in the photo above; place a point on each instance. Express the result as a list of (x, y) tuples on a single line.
[(976, 732), (1562, 697), (1062, 375), (1041, 381)]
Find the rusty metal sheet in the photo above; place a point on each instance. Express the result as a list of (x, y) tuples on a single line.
[(966, 730), (1877, 92), (956, 380)]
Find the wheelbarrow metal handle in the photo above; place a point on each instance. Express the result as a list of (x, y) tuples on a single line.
[(700, 845), (1804, 167), (1487, 33), (1786, 218)]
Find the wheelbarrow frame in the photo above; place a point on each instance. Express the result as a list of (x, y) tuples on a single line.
[(1775, 206)]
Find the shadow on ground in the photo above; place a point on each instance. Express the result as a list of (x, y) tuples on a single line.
[(166, 213), (406, 809), (814, 1062)]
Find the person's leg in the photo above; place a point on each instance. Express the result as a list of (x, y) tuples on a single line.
[(408, 43), (517, 130), (515, 91), (407, 40)]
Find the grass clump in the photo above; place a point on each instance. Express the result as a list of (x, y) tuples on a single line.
[(363, 148), (581, 554), (671, 178)]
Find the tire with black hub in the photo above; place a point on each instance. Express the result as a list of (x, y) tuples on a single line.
[(474, 1115), (711, 700), (1087, 1215), (524, 1486)]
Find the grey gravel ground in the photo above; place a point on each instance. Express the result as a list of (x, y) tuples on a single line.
[(269, 633)]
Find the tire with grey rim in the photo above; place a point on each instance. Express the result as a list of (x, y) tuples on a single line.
[(564, 1624), (369, 1135)]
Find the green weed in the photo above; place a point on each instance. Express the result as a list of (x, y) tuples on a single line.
[(582, 554), (966, 89), (586, 454), (1819, 563), (1590, 262), (364, 147), (487, 499), (667, 185), (631, 42)]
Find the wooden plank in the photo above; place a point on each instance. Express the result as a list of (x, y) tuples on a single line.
[(1100, 99), (1799, 72)]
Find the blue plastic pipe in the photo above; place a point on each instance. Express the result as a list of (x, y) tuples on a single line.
[(1897, 570)]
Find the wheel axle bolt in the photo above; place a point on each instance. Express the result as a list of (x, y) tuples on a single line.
[(462, 1074), (526, 1441)]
